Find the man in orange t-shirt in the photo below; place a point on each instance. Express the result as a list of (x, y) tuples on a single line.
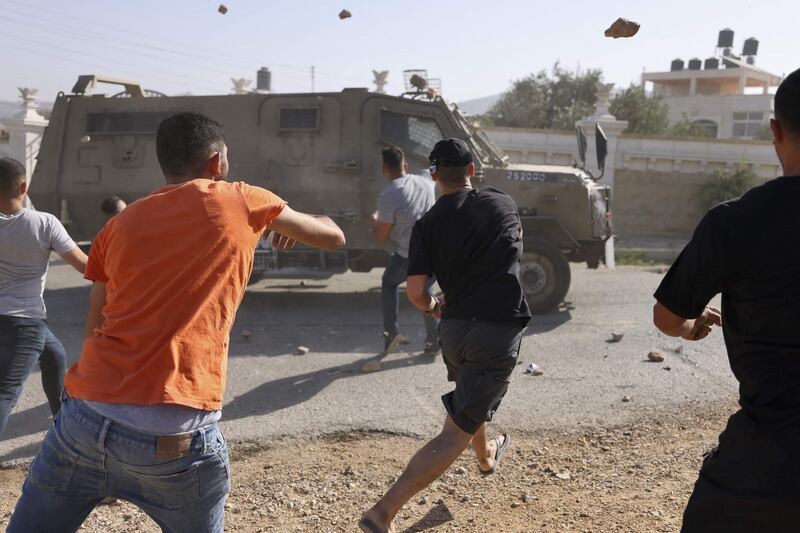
[(139, 421)]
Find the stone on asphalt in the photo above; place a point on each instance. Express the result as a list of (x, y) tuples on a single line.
[(534, 369), (371, 366), (301, 350), (246, 333), (656, 357), (626, 399), (616, 336)]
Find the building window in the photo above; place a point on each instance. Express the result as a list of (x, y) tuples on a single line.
[(747, 124), (709, 125), (415, 135), (299, 118)]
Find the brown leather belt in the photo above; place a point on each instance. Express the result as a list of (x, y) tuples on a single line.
[(173, 446)]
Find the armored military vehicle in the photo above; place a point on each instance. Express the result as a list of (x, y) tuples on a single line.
[(321, 152)]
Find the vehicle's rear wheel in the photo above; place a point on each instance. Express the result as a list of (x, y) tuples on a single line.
[(545, 275)]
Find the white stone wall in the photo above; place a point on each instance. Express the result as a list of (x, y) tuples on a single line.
[(640, 153), (654, 192)]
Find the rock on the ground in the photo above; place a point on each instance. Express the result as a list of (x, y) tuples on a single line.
[(656, 357), (301, 350), (371, 366)]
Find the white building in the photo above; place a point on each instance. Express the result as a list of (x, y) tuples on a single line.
[(729, 96)]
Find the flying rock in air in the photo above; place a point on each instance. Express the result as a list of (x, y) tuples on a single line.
[(622, 28), (345, 14)]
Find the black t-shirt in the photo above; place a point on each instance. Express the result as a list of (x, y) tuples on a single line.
[(471, 241), (749, 250)]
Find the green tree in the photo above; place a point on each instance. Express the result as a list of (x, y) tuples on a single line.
[(549, 101), (646, 115), (686, 128), (726, 186)]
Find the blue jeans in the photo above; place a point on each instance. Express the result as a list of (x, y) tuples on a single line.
[(23, 341), (396, 273), (86, 457)]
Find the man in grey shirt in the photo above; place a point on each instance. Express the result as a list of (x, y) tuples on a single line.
[(26, 239), (400, 205)]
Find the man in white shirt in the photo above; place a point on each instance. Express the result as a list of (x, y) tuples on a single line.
[(26, 239), (400, 205)]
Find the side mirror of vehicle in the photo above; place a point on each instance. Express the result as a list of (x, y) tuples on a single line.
[(581, 145), (601, 144)]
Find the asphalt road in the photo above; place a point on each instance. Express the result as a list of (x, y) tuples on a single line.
[(272, 392)]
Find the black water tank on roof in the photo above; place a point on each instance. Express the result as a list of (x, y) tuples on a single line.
[(677, 64), (750, 47), (695, 64), (264, 79), (725, 38), (712, 63)]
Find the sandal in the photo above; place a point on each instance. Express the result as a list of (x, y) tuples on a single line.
[(499, 450)]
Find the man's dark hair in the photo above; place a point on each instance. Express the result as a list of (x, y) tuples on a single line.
[(393, 157), (453, 176), (184, 143), (787, 103), (113, 205), (12, 174)]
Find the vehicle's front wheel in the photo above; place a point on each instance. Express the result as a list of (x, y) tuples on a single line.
[(545, 275)]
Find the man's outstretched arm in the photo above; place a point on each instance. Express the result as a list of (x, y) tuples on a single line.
[(690, 329), (317, 231), (76, 259)]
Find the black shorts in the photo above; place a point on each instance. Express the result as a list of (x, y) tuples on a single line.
[(749, 483), (480, 356)]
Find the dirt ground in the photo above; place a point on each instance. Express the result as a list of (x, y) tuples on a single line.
[(630, 478)]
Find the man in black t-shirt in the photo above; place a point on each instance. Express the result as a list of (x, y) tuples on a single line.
[(471, 241), (748, 249)]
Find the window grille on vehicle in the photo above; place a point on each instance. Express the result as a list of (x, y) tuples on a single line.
[(415, 135), (144, 122), (299, 118)]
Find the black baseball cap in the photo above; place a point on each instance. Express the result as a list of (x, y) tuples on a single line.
[(450, 153)]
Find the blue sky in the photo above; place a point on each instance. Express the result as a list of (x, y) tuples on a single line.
[(476, 47)]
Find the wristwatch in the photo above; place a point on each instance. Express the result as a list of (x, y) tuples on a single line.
[(436, 307)]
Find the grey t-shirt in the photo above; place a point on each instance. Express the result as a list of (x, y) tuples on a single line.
[(402, 203), (26, 239)]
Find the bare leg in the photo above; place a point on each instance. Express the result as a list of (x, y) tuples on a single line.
[(484, 449), (430, 462)]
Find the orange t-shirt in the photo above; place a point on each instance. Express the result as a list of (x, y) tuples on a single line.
[(175, 264)]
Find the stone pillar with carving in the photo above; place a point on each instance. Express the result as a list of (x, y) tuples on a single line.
[(242, 86), (612, 127), (25, 132)]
